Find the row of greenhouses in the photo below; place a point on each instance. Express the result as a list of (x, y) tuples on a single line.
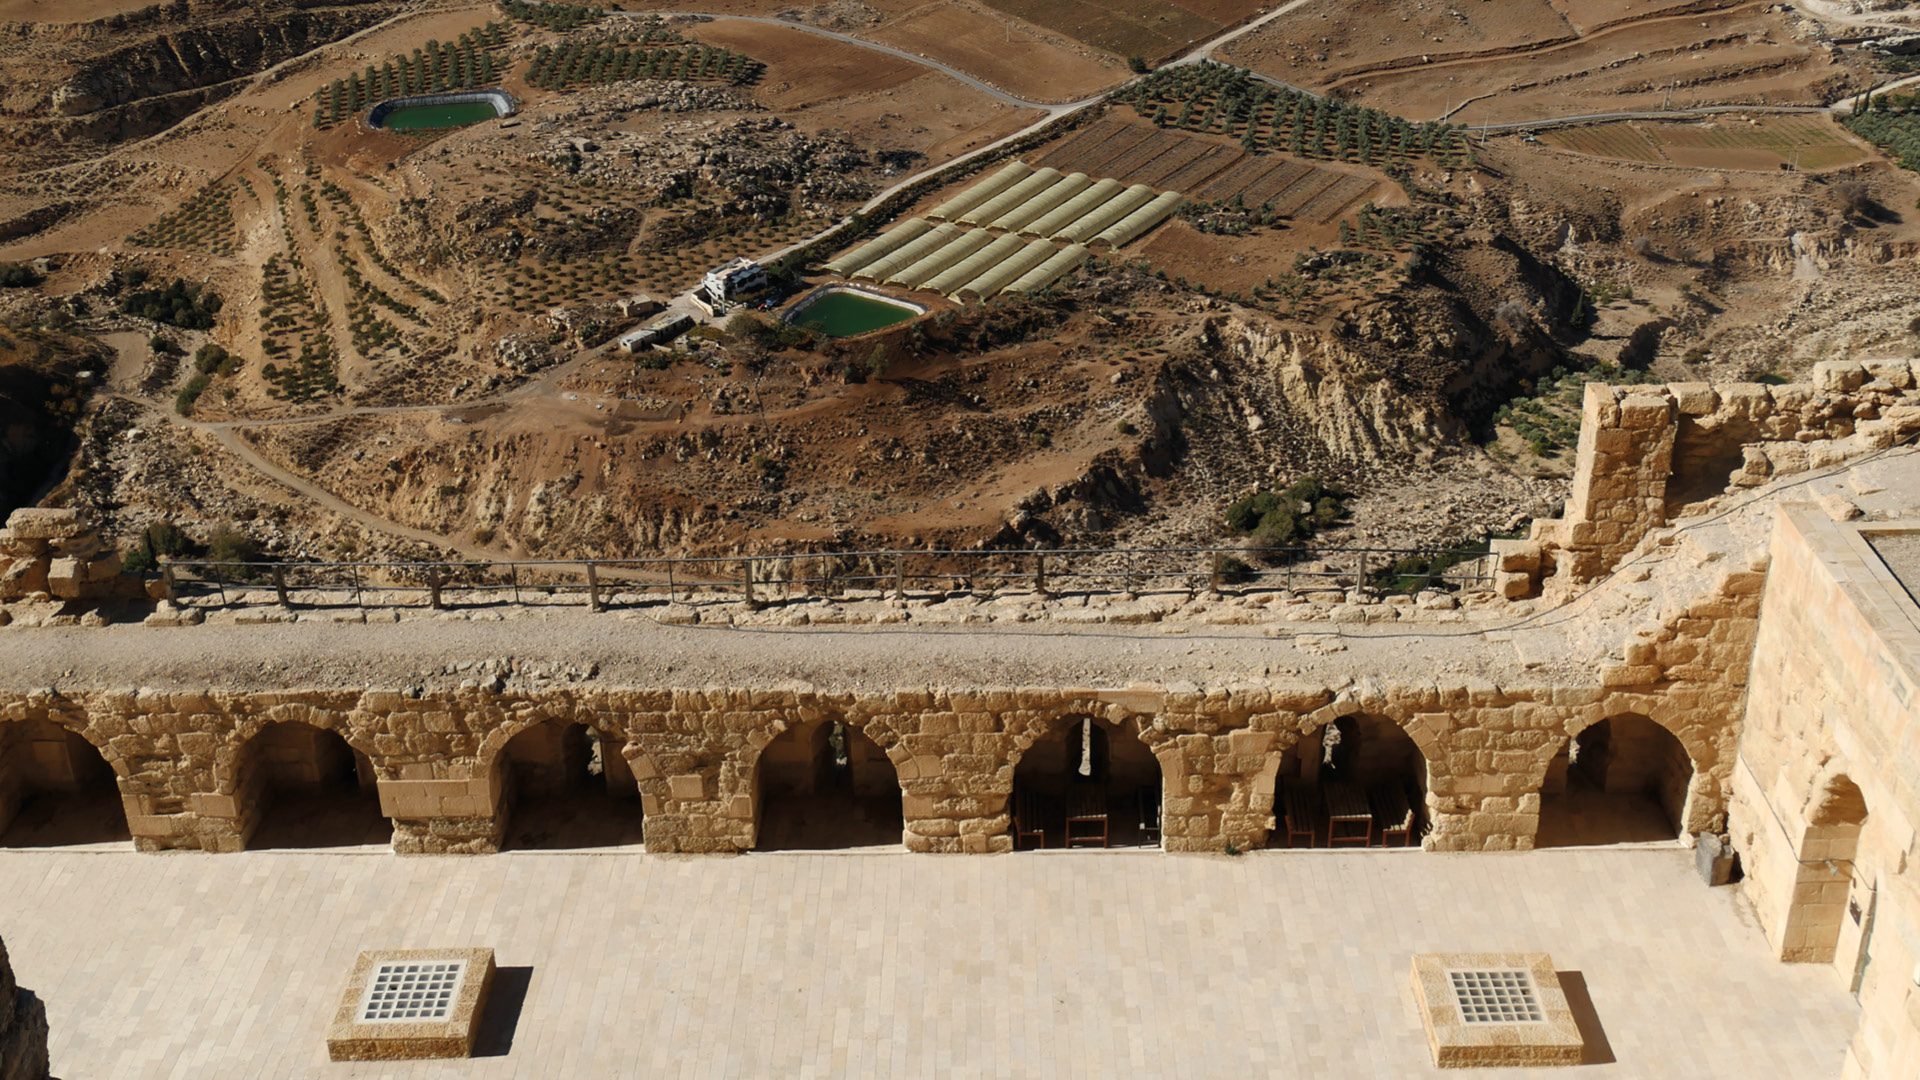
[(1047, 204), (963, 263)]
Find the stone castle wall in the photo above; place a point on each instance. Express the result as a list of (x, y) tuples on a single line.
[(180, 759), (1649, 453), (1826, 785)]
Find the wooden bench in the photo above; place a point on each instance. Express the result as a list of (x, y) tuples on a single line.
[(1299, 801), (1392, 815), (1029, 819), (1086, 815), (1349, 818)]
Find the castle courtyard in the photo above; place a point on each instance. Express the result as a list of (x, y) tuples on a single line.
[(1068, 964)]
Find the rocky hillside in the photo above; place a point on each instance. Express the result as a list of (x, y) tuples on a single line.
[(72, 91)]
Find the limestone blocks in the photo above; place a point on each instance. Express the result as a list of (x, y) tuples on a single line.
[(1648, 453), (53, 554)]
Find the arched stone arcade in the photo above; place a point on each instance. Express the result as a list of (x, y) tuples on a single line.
[(1089, 781), (824, 784), (301, 785), (56, 788), (563, 783), (1625, 779), (1358, 780)]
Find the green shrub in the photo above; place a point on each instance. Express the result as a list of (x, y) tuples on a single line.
[(1290, 516), (231, 545)]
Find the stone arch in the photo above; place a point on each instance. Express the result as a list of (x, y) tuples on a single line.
[(298, 780), (1112, 781), (564, 779), (227, 757), (1616, 778), (1382, 763), (824, 782), (58, 786)]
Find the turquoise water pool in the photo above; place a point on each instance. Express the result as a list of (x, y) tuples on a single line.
[(849, 312)]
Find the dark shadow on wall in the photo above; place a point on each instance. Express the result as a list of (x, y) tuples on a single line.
[(501, 1017)]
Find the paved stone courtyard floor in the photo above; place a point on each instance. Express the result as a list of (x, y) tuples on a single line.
[(1069, 964)]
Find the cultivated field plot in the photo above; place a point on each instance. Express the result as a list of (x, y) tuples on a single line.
[(1807, 142), (1528, 59), (1012, 55), (1152, 29), (1210, 170)]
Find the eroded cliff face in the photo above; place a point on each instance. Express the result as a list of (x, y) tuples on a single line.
[(73, 91)]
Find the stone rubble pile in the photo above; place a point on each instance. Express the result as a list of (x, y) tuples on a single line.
[(54, 555), (23, 1029)]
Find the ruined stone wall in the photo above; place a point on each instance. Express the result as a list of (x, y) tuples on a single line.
[(1647, 454), (23, 1028), (1826, 791), (181, 757)]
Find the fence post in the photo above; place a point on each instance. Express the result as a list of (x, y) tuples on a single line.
[(1213, 572), (746, 581), (593, 586), (166, 575), (900, 575), (1360, 570), (513, 576), (280, 586), (1040, 572), (1128, 579), (359, 598), (433, 588), (671, 592)]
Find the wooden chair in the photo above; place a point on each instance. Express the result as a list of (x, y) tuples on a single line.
[(1086, 816), (1149, 800), (1029, 819), (1392, 814), (1298, 801)]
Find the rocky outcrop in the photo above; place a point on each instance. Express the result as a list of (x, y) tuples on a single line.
[(23, 1028)]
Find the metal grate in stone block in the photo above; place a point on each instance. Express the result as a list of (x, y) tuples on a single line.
[(1499, 996), (412, 991)]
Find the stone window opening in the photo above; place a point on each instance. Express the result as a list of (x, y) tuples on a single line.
[(302, 786), (1090, 782), (826, 785), (566, 786), (1622, 780), (56, 789), (1830, 852)]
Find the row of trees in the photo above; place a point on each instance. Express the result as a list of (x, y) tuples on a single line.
[(559, 17), (471, 60), (1890, 122), (1228, 100), (574, 62)]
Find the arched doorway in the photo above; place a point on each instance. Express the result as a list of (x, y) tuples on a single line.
[(1837, 819), (1624, 780), (826, 785), (55, 789), (1359, 781), (567, 786), (302, 786), (1090, 784)]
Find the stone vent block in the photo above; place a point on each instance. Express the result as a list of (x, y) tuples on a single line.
[(411, 1003), (1495, 1009)]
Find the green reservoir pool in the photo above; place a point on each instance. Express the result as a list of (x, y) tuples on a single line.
[(844, 313), (433, 117)]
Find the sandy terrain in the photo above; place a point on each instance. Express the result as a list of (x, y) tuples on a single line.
[(1509, 62), (66, 11), (1012, 55)]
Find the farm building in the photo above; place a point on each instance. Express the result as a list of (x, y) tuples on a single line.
[(737, 277), (658, 332)]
